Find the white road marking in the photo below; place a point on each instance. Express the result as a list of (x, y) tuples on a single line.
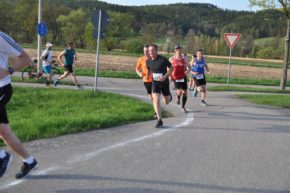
[(188, 121), (38, 173), (92, 155)]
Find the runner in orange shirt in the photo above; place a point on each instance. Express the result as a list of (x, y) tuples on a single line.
[(141, 70)]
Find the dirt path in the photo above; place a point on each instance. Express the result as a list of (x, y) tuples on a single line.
[(128, 63)]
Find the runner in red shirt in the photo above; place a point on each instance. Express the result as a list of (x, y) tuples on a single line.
[(181, 68)]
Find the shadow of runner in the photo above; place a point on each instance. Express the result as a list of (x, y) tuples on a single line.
[(199, 186)]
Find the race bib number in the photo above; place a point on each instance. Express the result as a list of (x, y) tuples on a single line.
[(200, 76), (180, 80), (157, 76)]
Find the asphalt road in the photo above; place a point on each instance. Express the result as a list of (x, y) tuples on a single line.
[(229, 146)]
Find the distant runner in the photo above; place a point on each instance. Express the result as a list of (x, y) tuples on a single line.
[(158, 65), (181, 68), (141, 70), (46, 57), (70, 57), (199, 71)]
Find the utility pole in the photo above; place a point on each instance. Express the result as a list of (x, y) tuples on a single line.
[(39, 38)]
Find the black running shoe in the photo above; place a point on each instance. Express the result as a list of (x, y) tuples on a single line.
[(80, 87), (56, 82), (159, 123), (26, 168), (4, 163)]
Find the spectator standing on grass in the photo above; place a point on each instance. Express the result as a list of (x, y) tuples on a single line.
[(70, 57), (46, 57), (8, 47)]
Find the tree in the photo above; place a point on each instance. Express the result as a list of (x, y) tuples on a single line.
[(50, 13), (119, 28), (284, 7), (26, 12), (74, 25)]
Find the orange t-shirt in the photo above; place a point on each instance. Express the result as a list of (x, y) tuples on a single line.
[(141, 66)]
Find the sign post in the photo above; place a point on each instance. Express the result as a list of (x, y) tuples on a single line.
[(232, 39), (99, 20), (39, 37)]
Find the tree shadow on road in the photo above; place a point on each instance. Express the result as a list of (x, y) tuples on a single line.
[(193, 186), (115, 190)]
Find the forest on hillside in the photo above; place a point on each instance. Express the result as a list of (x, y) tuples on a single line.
[(193, 25)]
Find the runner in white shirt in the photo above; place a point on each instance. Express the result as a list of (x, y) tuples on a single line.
[(8, 47), (47, 57)]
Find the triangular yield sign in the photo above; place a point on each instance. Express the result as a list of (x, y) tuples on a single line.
[(232, 38)]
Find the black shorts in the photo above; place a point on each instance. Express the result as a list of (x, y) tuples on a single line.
[(181, 85), (5, 95), (68, 68), (200, 82), (148, 86), (160, 87)]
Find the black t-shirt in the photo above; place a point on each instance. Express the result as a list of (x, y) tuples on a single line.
[(158, 66)]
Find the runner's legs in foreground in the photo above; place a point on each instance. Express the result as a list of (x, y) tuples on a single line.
[(65, 74), (167, 98), (181, 92), (202, 89)]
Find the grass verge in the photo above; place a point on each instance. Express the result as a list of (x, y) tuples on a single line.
[(245, 81), (133, 75), (41, 113), (268, 99), (246, 89)]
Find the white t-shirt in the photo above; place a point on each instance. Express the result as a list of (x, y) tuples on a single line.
[(8, 47), (48, 60)]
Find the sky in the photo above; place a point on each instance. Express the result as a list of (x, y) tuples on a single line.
[(238, 5)]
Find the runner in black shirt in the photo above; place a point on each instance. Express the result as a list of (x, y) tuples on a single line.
[(161, 69)]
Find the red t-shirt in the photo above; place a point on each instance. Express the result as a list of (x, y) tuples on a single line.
[(179, 66)]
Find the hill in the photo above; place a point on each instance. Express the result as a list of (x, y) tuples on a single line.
[(201, 18)]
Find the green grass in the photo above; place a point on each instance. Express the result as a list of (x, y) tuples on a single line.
[(41, 113), (267, 41), (133, 75), (245, 63), (245, 81), (106, 73), (246, 89), (276, 100)]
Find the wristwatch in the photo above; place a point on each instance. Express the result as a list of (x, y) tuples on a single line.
[(10, 70)]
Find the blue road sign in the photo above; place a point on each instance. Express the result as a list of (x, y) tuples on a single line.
[(41, 29), (104, 21)]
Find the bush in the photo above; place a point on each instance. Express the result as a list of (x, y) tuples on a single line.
[(269, 53), (133, 45)]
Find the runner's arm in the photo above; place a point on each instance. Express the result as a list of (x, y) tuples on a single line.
[(207, 68), (168, 73), (138, 69), (76, 59), (22, 60), (59, 58)]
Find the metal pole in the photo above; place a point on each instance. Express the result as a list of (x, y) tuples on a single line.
[(229, 69), (39, 38), (98, 46)]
